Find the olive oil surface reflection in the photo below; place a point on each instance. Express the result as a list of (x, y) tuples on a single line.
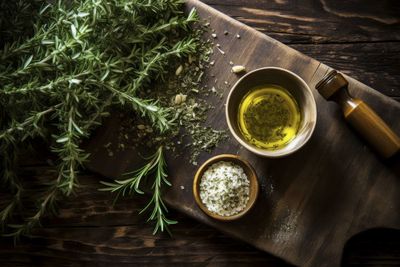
[(269, 117)]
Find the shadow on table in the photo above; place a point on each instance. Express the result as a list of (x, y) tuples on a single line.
[(375, 247)]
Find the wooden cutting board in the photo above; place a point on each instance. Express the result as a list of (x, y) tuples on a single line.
[(311, 202)]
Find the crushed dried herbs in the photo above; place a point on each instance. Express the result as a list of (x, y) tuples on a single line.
[(224, 188), (64, 67)]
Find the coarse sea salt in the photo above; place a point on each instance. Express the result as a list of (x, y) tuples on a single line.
[(224, 188)]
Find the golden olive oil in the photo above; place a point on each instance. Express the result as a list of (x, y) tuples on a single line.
[(269, 117)]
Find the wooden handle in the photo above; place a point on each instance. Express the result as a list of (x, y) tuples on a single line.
[(373, 128)]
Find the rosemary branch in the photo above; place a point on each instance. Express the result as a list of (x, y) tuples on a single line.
[(47, 204), (155, 166), (65, 65), (10, 180)]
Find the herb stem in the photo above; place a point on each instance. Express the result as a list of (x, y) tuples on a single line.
[(157, 166)]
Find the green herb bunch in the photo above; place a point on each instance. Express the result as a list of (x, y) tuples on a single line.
[(66, 66)]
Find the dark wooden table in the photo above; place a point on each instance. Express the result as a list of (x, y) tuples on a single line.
[(360, 38)]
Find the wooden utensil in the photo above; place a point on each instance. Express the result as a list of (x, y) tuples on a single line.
[(333, 87), (311, 202)]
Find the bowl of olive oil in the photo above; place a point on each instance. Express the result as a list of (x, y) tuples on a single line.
[(271, 111)]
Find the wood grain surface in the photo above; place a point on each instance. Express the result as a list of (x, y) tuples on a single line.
[(358, 37), (89, 232), (311, 202)]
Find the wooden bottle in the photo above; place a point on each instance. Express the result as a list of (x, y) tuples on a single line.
[(333, 87)]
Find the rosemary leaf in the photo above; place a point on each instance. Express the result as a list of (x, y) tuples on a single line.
[(156, 166), (66, 65)]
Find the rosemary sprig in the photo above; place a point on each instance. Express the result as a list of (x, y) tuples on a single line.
[(47, 205), (64, 66), (155, 166)]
